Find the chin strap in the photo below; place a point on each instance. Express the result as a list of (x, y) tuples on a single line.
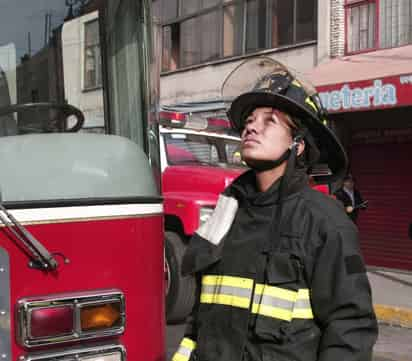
[(270, 164), (274, 244)]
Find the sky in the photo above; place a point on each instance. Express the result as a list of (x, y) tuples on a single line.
[(19, 17)]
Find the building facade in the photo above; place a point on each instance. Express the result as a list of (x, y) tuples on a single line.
[(367, 89), (204, 40), (358, 53)]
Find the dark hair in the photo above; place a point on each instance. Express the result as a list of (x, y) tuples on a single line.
[(348, 177)]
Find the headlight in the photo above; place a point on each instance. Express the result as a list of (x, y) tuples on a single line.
[(204, 214), (70, 317)]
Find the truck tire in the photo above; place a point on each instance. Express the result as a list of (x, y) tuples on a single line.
[(181, 290)]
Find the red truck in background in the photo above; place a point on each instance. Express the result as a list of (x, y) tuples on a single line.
[(200, 157)]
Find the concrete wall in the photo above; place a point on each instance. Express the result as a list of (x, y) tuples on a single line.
[(324, 31), (204, 82)]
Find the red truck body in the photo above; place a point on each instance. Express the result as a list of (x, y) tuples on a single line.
[(186, 188), (94, 265)]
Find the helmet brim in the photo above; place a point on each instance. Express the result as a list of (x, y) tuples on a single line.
[(330, 148)]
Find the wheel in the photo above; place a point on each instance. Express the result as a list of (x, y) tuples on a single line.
[(180, 290), (64, 111)]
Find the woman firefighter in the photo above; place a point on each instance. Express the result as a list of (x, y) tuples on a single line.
[(278, 264)]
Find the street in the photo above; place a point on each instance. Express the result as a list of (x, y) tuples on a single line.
[(394, 343)]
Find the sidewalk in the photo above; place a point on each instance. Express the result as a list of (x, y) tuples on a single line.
[(392, 296), (394, 344)]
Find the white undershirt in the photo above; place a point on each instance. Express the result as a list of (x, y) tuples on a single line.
[(350, 194)]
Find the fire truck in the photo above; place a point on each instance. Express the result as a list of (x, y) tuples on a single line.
[(200, 157), (81, 216)]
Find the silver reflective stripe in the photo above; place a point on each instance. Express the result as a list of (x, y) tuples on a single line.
[(273, 302), (227, 290), (281, 303), (186, 348), (302, 304), (5, 349), (184, 351)]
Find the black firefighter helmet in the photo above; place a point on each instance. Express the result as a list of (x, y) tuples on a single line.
[(263, 82)]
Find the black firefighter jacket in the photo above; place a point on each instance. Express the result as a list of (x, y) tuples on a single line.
[(300, 293)]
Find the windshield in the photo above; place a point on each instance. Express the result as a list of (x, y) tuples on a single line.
[(77, 66), (196, 149)]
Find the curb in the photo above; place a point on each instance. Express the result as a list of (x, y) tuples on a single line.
[(393, 315)]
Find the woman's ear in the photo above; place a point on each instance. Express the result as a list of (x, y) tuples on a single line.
[(301, 147)]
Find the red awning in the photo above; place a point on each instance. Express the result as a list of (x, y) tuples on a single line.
[(375, 80), (372, 65)]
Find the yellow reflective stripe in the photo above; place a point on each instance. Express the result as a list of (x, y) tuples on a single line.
[(301, 307), (302, 313), (311, 103), (188, 343), (303, 294), (273, 291), (227, 300), (179, 357), (227, 281), (185, 350), (226, 290)]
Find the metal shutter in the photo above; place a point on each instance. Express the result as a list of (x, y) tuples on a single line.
[(383, 174)]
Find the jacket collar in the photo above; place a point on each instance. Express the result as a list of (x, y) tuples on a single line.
[(245, 190)]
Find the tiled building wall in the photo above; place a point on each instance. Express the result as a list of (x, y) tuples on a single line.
[(337, 28)]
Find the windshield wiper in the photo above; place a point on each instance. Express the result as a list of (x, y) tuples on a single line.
[(41, 257)]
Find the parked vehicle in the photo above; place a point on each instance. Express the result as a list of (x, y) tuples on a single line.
[(81, 223)]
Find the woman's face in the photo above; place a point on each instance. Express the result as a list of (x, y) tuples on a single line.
[(266, 136)]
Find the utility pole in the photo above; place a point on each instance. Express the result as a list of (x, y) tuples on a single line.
[(50, 26), (29, 43), (46, 28)]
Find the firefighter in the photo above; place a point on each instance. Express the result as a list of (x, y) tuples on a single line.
[(278, 264)]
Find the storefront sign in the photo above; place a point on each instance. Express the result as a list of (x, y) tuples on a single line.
[(394, 91)]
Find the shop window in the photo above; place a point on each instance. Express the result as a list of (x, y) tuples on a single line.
[(157, 9), (395, 23), (35, 97), (209, 3), (206, 30), (361, 20), (188, 7), (209, 36), (169, 9), (92, 58), (232, 29), (390, 19), (255, 25), (306, 11), (189, 42), (170, 42), (282, 16)]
